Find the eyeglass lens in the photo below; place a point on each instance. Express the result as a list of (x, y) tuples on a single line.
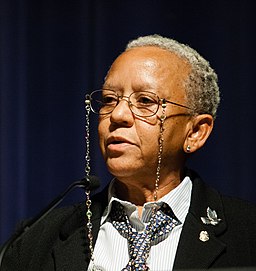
[(141, 103)]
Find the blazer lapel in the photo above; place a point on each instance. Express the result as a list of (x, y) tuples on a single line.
[(71, 252), (194, 251)]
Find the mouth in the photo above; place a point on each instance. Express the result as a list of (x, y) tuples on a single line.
[(115, 141)]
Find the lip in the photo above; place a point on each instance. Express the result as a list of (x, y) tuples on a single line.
[(116, 140)]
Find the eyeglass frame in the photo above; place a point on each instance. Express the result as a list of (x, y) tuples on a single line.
[(161, 101)]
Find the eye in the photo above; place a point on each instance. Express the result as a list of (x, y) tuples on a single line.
[(145, 99), (109, 99)]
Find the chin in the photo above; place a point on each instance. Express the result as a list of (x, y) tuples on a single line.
[(118, 170)]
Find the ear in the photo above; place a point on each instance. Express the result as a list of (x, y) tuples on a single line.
[(199, 129)]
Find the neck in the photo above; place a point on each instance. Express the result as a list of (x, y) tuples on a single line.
[(139, 192)]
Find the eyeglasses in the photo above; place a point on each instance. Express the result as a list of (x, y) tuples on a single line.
[(141, 103)]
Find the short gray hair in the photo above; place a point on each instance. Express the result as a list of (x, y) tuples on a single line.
[(201, 88)]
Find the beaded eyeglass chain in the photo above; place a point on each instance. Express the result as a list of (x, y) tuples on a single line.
[(88, 201), (160, 151)]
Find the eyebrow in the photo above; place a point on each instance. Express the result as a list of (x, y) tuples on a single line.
[(106, 86), (144, 87)]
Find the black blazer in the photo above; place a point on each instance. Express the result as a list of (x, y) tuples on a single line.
[(59, 242)]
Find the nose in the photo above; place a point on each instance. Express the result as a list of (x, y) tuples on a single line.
[(122, 113)]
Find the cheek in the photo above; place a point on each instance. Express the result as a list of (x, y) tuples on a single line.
[(174, 137), (102, 132), (149, 136), (100, 129)]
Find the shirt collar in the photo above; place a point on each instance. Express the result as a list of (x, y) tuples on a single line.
[(178, 199)]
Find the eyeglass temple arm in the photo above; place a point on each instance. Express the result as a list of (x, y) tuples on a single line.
[(184, 106)]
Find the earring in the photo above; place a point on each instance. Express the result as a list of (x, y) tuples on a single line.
[(188, 148)]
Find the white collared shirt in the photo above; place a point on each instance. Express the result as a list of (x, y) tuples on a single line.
[(111, 249)]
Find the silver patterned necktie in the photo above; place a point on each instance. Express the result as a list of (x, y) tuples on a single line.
[(161, 223)]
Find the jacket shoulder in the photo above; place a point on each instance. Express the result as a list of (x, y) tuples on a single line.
[(239, 212)]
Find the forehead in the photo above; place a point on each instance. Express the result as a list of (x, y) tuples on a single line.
[(144, 68)]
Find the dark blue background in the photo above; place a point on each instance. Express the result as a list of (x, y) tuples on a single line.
[(55, 51)]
